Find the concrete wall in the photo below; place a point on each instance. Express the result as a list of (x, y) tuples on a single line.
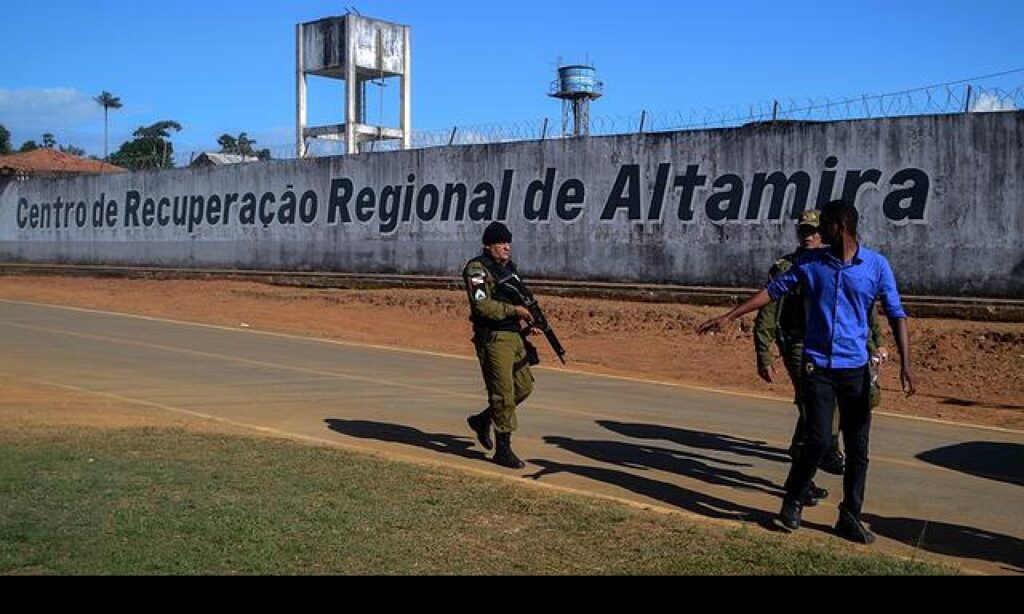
[(941, 196)]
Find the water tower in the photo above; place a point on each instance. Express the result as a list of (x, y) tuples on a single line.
[(356, 50), (576, 85)]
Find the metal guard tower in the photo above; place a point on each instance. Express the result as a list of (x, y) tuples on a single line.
[(576, 86)]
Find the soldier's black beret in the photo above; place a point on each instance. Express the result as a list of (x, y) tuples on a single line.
[(496, 232)]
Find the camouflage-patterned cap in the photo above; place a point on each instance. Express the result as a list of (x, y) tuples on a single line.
[(810, 218)]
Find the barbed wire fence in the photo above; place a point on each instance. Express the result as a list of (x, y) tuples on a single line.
[(974, 95)]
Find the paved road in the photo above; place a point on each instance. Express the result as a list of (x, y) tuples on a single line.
[(950, 492)]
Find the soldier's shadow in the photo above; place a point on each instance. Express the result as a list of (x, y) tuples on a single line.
[(407, 435)]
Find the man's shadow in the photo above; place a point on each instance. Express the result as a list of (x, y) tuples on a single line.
[(399, 433), (641, 456), (670, 494), (697, 439), (999, 461), (952, 539)]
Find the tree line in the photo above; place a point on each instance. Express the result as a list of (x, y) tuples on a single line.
[(48, 141), (149, 148)]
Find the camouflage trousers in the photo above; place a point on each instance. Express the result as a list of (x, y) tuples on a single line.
[(503, 363)]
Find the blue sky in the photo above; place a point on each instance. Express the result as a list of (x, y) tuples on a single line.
[(221, 66)]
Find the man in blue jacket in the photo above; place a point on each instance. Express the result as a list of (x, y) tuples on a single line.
[(840, 282)]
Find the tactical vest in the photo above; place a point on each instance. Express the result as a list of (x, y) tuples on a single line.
[(499, 293), (792, 320)]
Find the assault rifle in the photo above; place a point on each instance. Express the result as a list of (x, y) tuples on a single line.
[(522, 296)]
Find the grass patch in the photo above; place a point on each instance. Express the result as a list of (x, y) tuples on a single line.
[(172, 501)]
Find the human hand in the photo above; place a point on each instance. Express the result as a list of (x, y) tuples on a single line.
[(907, 381), (766, 372), (712, 325), (523, 313)]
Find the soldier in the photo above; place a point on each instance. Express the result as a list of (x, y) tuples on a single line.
[(500, 347), (782, 323)]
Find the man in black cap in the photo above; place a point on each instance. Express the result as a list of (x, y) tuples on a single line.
[(500, 348)]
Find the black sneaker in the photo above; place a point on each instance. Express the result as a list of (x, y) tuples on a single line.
[(790, 515), (834, 462), (481, 425), (851, 528)]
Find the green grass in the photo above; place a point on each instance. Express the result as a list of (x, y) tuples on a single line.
[(158, 501)]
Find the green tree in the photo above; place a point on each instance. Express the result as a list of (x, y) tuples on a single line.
[(228, 144), (107, 101), (245, 144), (5, 140), (241, 145), (50, 142), (71, 149), (151, 147)]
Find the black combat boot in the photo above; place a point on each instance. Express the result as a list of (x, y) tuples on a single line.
[(812, 495), (850, 527), (791, 513), (817, 492), (481, 425), (504, 455)]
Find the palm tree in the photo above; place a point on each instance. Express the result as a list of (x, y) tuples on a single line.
[(107, 101), (245, 145)]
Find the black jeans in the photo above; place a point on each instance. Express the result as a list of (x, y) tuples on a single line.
[(822, 389)]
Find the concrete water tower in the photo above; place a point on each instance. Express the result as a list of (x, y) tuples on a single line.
[(356, 50), (576, 86)]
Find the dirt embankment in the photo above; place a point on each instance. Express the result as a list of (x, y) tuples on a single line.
[(965, 371)]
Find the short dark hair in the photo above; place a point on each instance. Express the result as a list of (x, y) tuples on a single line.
[(843, 212)]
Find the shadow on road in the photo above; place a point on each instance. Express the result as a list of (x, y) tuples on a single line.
[(670, 494), (696, 439), (999, 461), (642, 456), (399, 433), (952, 539)]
